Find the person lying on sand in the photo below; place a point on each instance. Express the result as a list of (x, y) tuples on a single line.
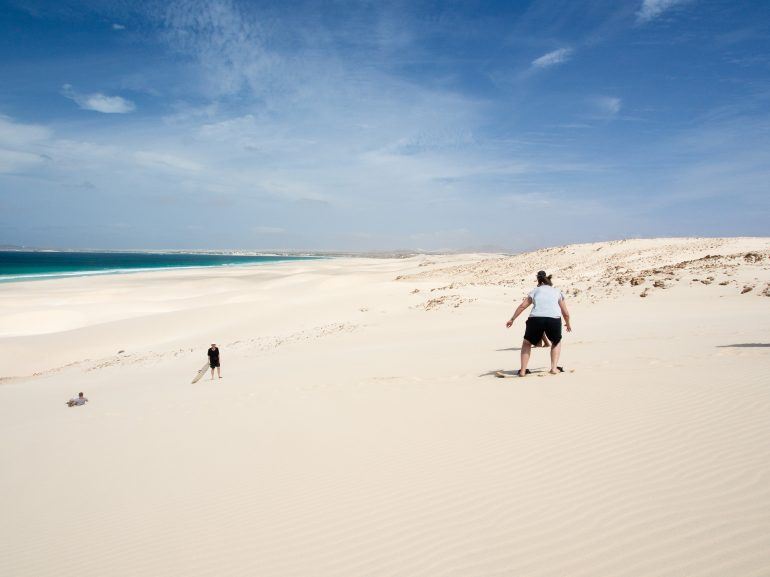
[(544, 321), (78, 401)]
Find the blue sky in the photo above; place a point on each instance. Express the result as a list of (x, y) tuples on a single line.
[(381, 125)]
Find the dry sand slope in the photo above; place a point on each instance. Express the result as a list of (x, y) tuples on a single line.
[(359, 431)]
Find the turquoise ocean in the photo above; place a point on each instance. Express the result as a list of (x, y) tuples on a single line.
[(22, 265)]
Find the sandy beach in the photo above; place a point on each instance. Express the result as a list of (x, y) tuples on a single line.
[(359, 430)]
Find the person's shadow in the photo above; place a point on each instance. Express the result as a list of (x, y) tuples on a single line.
[(745, 346), (496, 373), (513, 373)]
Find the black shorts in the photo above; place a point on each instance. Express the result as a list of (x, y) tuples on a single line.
[(214, 364), (536, 326)]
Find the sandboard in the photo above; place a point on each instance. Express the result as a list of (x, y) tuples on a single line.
[(200, 374)]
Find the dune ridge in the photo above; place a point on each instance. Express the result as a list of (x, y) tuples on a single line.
[(597, 270)]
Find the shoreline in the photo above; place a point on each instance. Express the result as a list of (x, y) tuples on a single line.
[(12, 277)]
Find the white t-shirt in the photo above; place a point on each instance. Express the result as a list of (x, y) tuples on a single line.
[(546, 301), (78, 401)]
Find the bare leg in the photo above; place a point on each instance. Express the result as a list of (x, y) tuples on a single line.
[(219, 372), (526, 349), (212, 374), (555, 352)]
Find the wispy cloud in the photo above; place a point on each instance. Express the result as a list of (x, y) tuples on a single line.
[(99, 102), (553, 58), (608, 106), (268, 230), (315, 120), (165, 161), (229, 46), (13, 160), (18, 143), (651, 9), (13, 134)]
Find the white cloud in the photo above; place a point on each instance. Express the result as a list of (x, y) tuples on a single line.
[(608, 105), (13, 134), (18, 143), (117, 26), (108, 104), (651, 9), (99, 102), (553, 58)]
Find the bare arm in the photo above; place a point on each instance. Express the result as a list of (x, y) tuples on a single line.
[(565, 314), (520, 309)]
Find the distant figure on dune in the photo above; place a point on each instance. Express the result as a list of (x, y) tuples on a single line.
[(78, 401), (214, 361), (545, 319)]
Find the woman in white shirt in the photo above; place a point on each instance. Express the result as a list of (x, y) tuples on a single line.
[(545, 318)]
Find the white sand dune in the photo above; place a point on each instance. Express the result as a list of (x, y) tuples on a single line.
[(358, 430)]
